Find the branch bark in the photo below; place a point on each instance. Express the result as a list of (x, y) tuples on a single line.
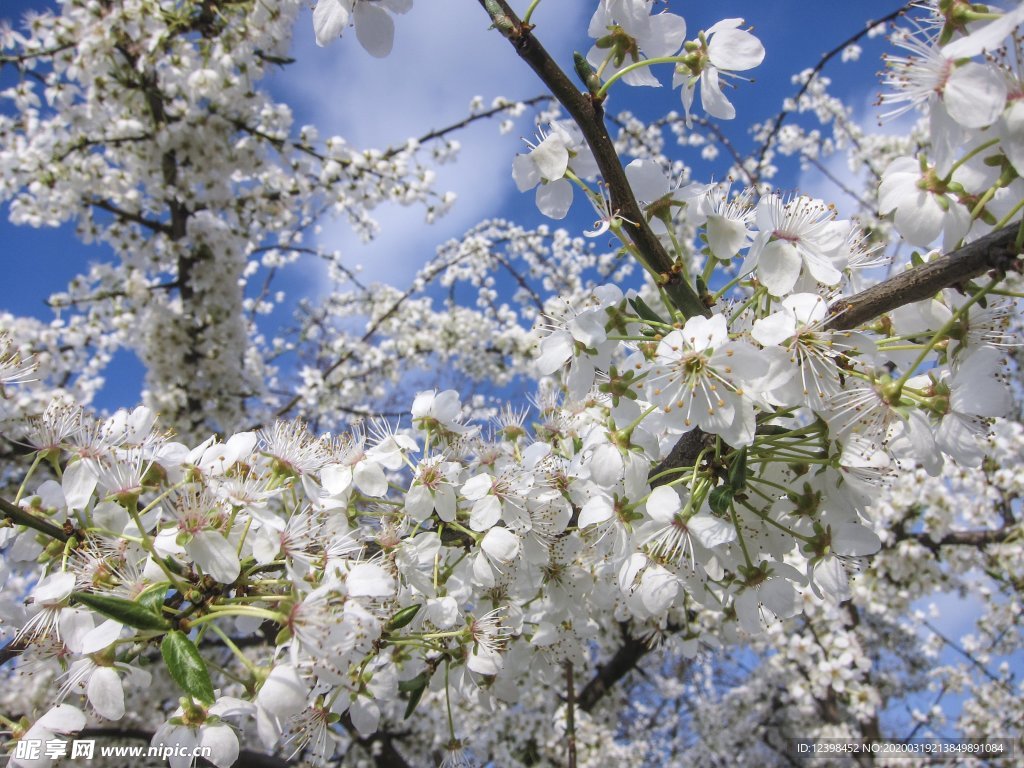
[(589, 116), (19, 516), (617, 667), (995, 251)]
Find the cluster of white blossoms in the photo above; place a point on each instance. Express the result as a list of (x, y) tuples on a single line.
[(692, 478)]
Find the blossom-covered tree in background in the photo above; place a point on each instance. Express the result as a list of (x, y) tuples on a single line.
[(746, 437)]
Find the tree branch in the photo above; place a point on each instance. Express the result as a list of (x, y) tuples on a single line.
[(19, 516), (589, 116), (617, 667), (995, 251), (964, 538)]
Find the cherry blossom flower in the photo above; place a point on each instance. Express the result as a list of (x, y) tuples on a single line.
[(722, 50), (627, 32), (62, 719), (203, 729), (923, 205), (795, 235), (547, 163), (972, 93), (375, 29), (699, 376)]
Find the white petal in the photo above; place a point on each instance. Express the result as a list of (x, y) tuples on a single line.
[(986, 38), (597, 510), (102, 636), (485, 513), (445, 503), (555, 199), (329, 20), (484, 661), (419, 503), (369, 580), (369, 479), (500, 544), (778, 267), (711, 96), (215, 555), (375, 29), (336, 478), (774, 329), (735, 50), (830, 578), (555, 349), (283, 693), (551, 157), (975, 95), (525, 174), (663, 504), (665, 35), (853, 540), (222, 742), (725, 236), (62, 719), (365, 715), (780, 597), (54, 588), (105, 693), (78, 483), (710, 531), (647, 180)]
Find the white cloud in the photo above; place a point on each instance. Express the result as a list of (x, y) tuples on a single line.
[(444, 55)]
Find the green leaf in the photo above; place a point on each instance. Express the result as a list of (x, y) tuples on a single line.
[(403, 617), (129, 612), (644, 311), (417, 686), (738, 471), (186, 666), (720, 499), (153, 597), (408, 686)]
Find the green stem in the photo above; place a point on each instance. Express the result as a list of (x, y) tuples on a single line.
[(448, 702), (21, 488), (234, 648), (739, 535), (529, 11), (980, 148), (217, 612), (603, 90), (147, 544), (1009, 217), (941, 334)]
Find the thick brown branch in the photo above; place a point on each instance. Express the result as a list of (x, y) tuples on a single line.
[(589, 116), (19, 516), (964, 538), (618, 666), (995, 251), (11, 650)]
